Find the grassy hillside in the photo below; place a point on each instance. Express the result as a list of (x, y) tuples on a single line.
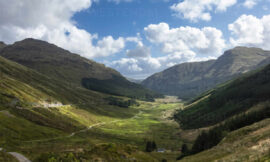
[(187, 80), (119, 86), (250, 143), (70, 68), (227, 100), (30, 87), (23, 92)]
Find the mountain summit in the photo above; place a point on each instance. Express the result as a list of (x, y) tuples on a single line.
[(190, 79)]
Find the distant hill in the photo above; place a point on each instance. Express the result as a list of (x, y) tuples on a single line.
[(60, 64), (138, 81), (188, 80)]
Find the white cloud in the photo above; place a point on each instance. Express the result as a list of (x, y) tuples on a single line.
[(205, 41), (250, 3), (195, 10), (51, 20), (108, 46), (139, 51), (129, 64), (249, 30)]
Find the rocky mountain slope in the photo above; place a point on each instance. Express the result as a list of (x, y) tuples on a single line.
[(188, 80)]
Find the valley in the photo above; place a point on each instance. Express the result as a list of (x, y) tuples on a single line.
[(135, 81), (58, 106), (145, 123)]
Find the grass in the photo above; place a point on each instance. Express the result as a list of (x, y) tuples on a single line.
[(148, 125), (250, 143), (15, 129), (144, 122), (5, 157)]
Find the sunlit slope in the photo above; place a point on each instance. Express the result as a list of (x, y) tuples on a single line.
[(24, 94), (250, 143), (29, 85)]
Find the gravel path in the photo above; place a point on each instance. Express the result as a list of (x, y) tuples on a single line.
[(19, 157)]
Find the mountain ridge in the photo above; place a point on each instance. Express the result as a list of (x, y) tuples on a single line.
[(187, 80)]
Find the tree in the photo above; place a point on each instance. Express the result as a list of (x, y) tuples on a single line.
[(184, 149), (154, 146), (148, 146)]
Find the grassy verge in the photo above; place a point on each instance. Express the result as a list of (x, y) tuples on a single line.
[(5, 157)]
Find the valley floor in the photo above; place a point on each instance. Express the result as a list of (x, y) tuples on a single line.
[(109, 138)]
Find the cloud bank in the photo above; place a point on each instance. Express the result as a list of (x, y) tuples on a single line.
[(249, 30), (51, 20)]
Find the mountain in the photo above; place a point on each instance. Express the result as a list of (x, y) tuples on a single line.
[(187, 80), (46, 117), (138, 81), (60, 64), (230, 115)]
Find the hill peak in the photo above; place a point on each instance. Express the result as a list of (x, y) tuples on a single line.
[(241, 50), (32, 40), (39, 45), (2, 45)]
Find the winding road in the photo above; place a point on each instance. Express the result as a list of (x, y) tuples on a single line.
[(84, 130)]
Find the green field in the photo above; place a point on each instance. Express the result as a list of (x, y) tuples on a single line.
[(125, 135)]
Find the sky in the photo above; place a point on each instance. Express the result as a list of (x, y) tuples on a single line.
[(139, 37)]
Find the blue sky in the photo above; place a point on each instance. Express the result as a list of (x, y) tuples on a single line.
[(139, 37)]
